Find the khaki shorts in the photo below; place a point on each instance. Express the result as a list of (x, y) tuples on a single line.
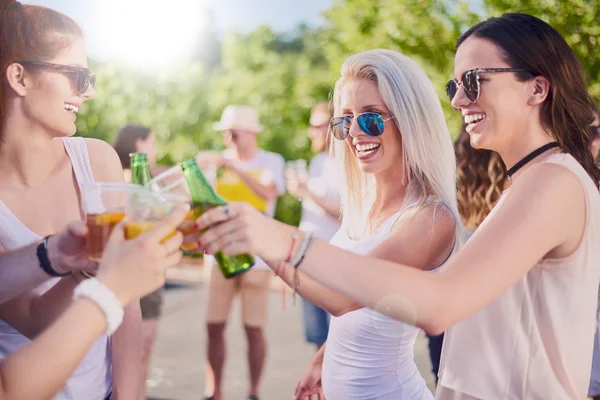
[(253, 287)]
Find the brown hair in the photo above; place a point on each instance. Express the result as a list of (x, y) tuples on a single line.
[(481, 177), (529, 43), (125, 142), (30, 33)]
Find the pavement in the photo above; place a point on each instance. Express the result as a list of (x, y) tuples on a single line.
[(177, 370)]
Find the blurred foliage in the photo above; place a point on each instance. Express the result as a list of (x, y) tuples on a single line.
[(283, 75)]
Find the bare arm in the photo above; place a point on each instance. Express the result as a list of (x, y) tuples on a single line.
[(32, 312), (27, 276), (299, 188), (497, 256), (131, 268), (423, 240), (332, 207), (267, 191), (310, 383), (68, 340), (127, 340)]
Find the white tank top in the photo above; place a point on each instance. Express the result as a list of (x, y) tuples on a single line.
[(535, 340), (92, 380), (369, 355)]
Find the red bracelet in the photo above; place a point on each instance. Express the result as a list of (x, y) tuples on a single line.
[(294, 238), (282, 264)]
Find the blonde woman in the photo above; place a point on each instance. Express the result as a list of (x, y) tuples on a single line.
[(399, 204)]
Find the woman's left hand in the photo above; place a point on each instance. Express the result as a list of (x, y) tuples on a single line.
[(238, 228)]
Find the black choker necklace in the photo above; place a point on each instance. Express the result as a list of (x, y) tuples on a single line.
[(530, 157)]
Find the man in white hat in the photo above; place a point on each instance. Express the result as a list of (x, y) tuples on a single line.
[(250, 174)]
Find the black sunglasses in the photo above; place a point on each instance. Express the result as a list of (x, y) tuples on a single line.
[(370, 123), (83, 76), (470, 82)]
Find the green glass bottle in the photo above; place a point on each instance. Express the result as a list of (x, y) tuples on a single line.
[(204, 198), (140, 170)]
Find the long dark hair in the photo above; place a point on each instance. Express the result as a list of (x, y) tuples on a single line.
[(30, 33), (529, 43), (125, 142)]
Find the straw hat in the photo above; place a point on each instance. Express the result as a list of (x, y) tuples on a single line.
[(243, 118)]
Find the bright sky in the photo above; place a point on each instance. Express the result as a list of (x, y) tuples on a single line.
[(136, 28)]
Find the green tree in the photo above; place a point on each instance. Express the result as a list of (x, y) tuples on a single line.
[(577, 20)]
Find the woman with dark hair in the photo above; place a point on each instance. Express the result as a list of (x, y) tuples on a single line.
[(520, 298), (135, 138), (44, 81)]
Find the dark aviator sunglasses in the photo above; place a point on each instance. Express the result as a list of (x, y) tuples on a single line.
[(83, 76), (470, 82)]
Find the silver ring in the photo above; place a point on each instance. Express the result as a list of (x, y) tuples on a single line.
[(226, 211)]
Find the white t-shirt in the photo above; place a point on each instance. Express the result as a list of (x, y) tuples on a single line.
[(324, 181), (267, 168)]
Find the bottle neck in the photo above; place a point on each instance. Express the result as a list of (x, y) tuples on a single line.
[(201, 191)]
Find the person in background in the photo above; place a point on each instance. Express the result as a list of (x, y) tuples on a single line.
[(254, 176), (136, 138), (320, 195), (44, 80), (128, 270)]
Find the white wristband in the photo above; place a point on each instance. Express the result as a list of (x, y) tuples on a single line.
[(105, 298)]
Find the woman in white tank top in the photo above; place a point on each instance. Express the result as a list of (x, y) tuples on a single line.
[(399, 204), (520, 297), (41, 166)]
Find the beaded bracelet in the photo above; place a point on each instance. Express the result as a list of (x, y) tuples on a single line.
[(298, 258)]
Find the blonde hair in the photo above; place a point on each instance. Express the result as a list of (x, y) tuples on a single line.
[(429, 163)]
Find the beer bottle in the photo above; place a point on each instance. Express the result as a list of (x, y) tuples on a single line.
[(140, 170), (204, 198)]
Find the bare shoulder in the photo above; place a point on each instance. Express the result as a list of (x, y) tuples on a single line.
[(553, 184), (423, 238), (104, 161), (433, 219)]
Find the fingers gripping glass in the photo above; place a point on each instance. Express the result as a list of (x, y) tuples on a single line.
[(370, 123), (83, 76), (470, 82)]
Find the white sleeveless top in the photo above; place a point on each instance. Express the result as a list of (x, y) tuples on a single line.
[(92, 380), (535, 340), (369, 355)]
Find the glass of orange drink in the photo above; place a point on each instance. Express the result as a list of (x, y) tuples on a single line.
[(146, 208), (172, 181), (104, 205)]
